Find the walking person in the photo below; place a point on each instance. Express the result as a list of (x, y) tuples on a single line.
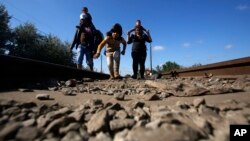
[(113, 41), (139, 50), (84, 44)]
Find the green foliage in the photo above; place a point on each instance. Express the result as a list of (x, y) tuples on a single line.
[(168, 66), (5, 32), (56, 50), (25, 41), (30, 44), (127, 75), (196, 65)]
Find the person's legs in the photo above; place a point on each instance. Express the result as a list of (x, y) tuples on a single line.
[(110, 64), (142, 63), (80, 54), (89, 59), (116, 56), (135, 64)]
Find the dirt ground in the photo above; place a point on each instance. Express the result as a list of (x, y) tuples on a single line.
[(80, 98), (204, 122)]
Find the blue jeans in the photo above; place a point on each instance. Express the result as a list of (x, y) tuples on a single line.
[(81, 51)]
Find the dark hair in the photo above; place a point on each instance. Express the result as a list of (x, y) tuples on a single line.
[(115, 28), (85, 9)]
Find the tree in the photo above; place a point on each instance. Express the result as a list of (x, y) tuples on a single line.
[(168, 66), (30, 44), (5, 32), (25, 41), (196, 65), (158, 68), (58, 51)]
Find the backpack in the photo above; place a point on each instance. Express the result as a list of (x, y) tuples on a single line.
[(98, 37)]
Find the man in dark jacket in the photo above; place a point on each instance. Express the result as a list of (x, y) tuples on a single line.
[(139, 50)]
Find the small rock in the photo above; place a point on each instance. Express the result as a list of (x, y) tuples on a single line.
[(199, 101), (43, 96), (67, 91), (119, 96), (71, 83), (25, 90)]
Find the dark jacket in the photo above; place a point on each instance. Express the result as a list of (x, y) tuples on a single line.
[(88, 41), (139, 44)]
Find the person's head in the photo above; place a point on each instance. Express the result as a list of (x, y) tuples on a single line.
[(138, 31), (117, 28), (138, 23), (116, 31), (115, 34), (85, 10)]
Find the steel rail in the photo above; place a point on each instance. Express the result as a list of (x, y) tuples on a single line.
[(239, 66), (17, 70)]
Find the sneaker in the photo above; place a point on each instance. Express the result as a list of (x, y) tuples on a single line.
[(142, 78), (118, 78), (134, 77)]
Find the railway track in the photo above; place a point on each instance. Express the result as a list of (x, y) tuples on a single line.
[(232, 67), (16, 71)]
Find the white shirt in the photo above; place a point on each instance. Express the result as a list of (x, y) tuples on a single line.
[(83, 16)]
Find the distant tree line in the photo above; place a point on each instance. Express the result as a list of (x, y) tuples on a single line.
[(168, 66), (25, 41)]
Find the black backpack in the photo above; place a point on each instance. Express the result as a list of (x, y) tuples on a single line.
[(98, 37)]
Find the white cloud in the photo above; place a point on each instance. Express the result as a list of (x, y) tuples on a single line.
[(242, 7), (158, 48), (186, 44), (229, 46), (200, 42)]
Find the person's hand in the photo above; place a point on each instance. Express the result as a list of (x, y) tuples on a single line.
[(123, 52), (96, 55)]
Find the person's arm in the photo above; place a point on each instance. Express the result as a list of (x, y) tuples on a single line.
[(149, 37), (74, 40), (124, 46), (100, 46), (129, 38), (143, 29), (131, 30)]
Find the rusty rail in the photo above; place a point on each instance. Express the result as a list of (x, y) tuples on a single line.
[(17, 70), (232, 67)]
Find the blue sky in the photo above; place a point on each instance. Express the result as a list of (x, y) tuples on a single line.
[(187, 32)]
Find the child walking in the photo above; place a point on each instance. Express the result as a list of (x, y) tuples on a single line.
[(113, 52)]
